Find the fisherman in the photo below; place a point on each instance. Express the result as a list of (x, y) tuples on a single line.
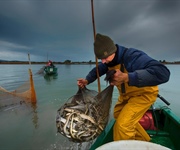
[(137, 77), (50, 63)]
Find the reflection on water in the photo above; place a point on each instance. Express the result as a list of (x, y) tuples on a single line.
[(16, 104), (35, 115), (50, 77)]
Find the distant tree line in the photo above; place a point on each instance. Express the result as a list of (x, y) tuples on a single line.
[(165, 62), (54, 62), (69, 62)]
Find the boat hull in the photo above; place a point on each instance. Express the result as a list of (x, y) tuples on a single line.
[(165, 133), (49, 70)]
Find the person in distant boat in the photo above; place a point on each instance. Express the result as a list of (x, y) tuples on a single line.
[(50, 63), (137, 78)]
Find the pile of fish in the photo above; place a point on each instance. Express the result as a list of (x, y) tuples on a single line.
[(85, 115)]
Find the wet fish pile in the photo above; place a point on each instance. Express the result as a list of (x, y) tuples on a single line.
[(85, 115)]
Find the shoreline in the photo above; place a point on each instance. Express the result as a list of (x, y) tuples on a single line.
[(69, 63), (44, 63)]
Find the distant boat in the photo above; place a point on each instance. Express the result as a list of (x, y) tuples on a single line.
[(50, 68)]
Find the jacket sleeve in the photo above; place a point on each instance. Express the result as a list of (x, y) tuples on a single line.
[(92, 75), (145, 71)]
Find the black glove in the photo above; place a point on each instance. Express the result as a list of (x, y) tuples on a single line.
[(109, 75)]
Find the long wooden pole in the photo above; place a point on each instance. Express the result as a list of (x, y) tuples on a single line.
[(94, 31)]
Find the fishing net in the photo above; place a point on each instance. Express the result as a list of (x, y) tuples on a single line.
[(25, 92), (85, 115)]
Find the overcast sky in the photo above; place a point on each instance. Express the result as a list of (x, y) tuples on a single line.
[(62, 29)]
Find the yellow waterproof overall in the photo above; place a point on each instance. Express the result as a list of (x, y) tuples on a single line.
[(130, 108)]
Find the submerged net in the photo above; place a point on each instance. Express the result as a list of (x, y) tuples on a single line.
[(25, 92), (85, 115)]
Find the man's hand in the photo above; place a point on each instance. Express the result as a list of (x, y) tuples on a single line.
[(82, 82), (119, 78)]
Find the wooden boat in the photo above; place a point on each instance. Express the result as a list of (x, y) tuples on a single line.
[(50, 70), (161, 124)]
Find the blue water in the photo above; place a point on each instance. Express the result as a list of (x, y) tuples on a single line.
[(33, 127)]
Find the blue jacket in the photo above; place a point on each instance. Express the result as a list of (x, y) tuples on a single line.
[(142, 69)]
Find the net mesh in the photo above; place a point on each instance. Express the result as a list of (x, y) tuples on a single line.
[(85, 115), (25, 92)]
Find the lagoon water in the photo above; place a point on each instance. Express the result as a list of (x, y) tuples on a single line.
[(33, 127)]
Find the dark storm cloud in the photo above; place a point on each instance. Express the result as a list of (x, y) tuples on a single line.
[(152, 26), (48, 26), (63, 28)]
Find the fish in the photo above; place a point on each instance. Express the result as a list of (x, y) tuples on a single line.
[(76, 124), (85, 115)]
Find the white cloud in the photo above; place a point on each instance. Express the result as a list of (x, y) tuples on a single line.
[(8, 45)]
